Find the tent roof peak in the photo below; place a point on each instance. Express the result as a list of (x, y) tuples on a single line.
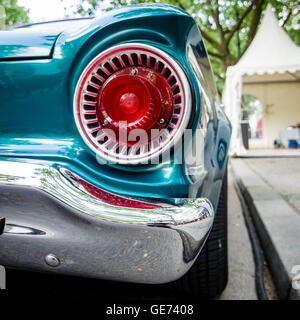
[(271, 50)]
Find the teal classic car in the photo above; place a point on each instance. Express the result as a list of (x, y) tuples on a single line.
[(113, 150)]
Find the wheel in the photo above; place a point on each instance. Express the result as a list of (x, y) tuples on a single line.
[(209, 274)]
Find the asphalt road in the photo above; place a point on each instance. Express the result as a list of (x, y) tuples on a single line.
[(240, 285)]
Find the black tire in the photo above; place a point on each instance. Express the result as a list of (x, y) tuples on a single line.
[(209, 274)]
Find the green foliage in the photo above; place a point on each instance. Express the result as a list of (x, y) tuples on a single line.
[(88, 7), (228, 26), (288, 12), (13, 12)]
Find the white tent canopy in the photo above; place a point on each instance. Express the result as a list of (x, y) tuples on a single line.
[(271, 51)]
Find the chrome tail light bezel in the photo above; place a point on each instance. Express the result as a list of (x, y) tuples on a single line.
[(79, 105)]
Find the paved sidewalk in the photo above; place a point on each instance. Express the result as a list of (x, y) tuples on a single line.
[(281, 174), (271, 187)]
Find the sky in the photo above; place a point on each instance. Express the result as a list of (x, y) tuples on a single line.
[(46, 10)]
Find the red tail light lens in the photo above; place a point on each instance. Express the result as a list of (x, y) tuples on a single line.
[(131, 103)]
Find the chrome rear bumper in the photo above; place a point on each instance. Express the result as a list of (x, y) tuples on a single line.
[(51, 210)]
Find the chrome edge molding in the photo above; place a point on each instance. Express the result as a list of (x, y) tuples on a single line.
[(164, 241)]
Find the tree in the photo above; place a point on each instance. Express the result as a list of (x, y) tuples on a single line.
[(11, 13), (227, 26)]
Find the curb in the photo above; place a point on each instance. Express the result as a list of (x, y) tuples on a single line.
[(277, 225)]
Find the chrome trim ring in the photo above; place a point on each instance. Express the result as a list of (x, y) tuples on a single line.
[(103, 67)]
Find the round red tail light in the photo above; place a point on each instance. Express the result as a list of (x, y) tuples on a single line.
[(131, 103)]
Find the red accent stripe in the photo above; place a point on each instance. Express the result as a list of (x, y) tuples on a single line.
[(110, 198)]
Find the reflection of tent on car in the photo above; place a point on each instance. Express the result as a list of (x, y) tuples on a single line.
[(270, 71)]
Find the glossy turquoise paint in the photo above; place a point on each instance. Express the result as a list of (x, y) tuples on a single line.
[(37, 122), (26, 43), (35, 41)]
